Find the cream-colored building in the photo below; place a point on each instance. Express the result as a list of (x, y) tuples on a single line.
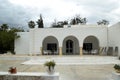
[(70, 40)]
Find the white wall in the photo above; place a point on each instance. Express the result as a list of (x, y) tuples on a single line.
[(114, 39), (79, 31), (30, 42), (22, 43)]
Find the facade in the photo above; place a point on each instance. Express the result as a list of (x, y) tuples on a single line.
[(74, 40)]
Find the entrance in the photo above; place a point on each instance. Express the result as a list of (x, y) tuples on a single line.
[(87, 47), (69, 47), (91, 46), (50, 46)]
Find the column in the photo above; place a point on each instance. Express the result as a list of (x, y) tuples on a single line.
[(60, 51), (41, 51), (100, 51), (81, 51)]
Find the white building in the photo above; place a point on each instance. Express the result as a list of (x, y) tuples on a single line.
[(74, 40)]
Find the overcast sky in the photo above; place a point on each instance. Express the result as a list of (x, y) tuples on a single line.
[(20, 12)]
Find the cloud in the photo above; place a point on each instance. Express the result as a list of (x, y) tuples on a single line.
[(19, 12), (101, 9), (12, 15)]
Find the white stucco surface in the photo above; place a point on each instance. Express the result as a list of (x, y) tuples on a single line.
[(31, 42), (80, 32), (114, 39), (22, 43)]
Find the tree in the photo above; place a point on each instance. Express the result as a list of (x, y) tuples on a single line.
[(19, 29), (40, 22), (7, 37), (4, 27), (78, 20), (84, 21), (103, 22), (59, 24), (73, 21), (31, 24)]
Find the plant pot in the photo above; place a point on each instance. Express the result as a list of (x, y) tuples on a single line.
[(12, 70), (117, 70), (50, 70)]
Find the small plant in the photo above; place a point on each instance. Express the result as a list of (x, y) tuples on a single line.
[(117, 68), (50, 64), (12, 70)]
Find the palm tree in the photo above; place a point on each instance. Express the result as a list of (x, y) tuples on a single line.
[(31, 24), (4, 27)]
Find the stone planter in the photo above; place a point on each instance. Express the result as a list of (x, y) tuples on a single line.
[(50, 70), (50, 65), (115, 76), (117, 70)]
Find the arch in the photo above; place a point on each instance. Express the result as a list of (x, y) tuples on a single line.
[(50, 46), (91, 45), (70, 46)]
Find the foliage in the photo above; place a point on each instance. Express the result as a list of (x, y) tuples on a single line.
[(50, 63), (78, 20), (7, 37), (19, 29), (31, 24), (4, 27), (103, 22), (116, 66), (40, 22), (59, 24)]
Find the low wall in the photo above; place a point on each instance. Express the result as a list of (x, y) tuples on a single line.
[(28, 76)]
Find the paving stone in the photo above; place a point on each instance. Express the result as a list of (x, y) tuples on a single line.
[(67, 72)]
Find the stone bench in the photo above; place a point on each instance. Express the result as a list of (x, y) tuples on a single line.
[(28, 76)]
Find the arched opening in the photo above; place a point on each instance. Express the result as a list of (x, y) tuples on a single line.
[(91, 45), (70, 46), (50, 46)]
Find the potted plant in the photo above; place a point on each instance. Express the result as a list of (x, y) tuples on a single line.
[(50, 66), (12, 70), (117, 68)]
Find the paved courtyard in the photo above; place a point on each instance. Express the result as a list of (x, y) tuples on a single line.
[(67, 72)]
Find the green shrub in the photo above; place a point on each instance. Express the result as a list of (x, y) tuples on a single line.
[(50, 63), (116, 66)]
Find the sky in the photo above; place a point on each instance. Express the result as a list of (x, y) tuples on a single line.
[(18, 13)]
